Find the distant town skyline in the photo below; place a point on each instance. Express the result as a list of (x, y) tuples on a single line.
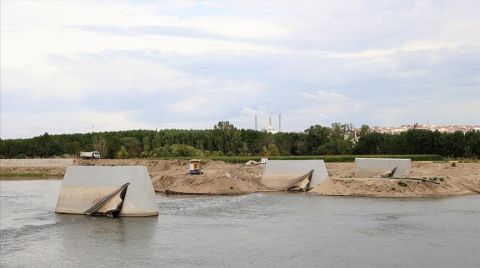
[(117, 65), (440, 128)]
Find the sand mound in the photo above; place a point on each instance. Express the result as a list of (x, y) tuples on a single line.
[(172, 176), (205, 185), (217, 178), (223, 178), (459, 180)]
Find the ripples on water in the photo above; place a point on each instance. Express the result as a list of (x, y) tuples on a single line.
[(263, 230)]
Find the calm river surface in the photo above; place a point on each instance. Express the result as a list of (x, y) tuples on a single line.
[(257, 230)]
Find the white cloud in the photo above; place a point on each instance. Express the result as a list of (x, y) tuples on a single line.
[(190, 64), (211, 98), (75, 78), (23, 125), (323, 107), (324, 96), (430, 111), (193, 104)]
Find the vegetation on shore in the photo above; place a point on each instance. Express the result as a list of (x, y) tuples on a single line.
[(326, 158), (14, 175), (227, 143), (56, 173)]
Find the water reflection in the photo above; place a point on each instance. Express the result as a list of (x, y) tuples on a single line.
[(117, 229), (106, 237), (260, 230)]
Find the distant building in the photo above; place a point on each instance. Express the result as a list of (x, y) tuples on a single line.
[(440, 128), (268, 125), (270, 130)]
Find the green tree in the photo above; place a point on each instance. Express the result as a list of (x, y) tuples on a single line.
[(340, 140), (364, 130), (316, 137), (227, 135), (133, 146), (123, 153), (244, 150), (100, 144), (272, 150), (146, 143), (224, 138), (369, 144)]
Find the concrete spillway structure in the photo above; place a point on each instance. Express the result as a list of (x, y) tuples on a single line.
[(83, 187), (281, 174), (369, 167)]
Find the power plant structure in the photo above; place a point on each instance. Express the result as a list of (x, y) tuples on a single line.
[(279, 122), (268, 124)]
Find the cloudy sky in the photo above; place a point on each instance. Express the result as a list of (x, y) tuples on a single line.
[(69, 66)]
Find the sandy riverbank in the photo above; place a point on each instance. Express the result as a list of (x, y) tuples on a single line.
[(218, 178), (221, 178), (460, 179)]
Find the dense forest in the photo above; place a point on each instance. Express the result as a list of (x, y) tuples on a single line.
[(226, 140)]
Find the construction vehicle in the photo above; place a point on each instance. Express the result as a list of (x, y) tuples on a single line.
[(195, 167), (90, 155)]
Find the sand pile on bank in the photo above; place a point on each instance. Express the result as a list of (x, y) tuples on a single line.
[(464, 178), (172, 176), (217, 178), (224, 178)]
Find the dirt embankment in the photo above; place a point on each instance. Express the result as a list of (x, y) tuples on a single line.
[(223, 178), (172, 176), (459, 179)]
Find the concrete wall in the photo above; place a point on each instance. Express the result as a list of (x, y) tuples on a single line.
[(279, 174), (83, 187), (368, 167), (36, 162)]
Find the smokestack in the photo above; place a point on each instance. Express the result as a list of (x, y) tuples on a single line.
[(269, 121), (256, 122), (279, 122)]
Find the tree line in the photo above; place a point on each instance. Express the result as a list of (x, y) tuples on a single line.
[(227, 140)]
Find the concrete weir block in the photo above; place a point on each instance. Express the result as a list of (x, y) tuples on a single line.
[(83, 187), (280, 174), (368, 167)]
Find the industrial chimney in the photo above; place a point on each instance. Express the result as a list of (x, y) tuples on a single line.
[(256, 122), (279, 122)]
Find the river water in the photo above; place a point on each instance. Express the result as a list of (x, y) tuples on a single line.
[(256, 230)]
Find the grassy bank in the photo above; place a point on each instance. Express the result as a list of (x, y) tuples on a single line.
[(42, 173), (326, 158), (28, 176)]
